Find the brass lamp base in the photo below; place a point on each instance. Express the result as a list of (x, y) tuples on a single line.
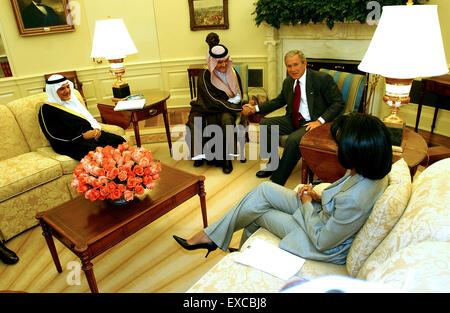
[(121, 89), (395, 126), (397, 95), (121, 92), (396, 131)]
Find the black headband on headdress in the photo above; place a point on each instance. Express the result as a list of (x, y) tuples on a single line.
[(52, 82), (218, 56)]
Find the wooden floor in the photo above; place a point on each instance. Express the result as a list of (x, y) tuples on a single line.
[(150, 260)]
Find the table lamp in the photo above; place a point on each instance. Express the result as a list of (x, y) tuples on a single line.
[(406, 44), (113, 42)]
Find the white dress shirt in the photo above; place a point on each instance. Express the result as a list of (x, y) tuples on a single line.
[(304, 111)]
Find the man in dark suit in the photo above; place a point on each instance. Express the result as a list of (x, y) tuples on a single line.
[(37, 14), (312, 99)]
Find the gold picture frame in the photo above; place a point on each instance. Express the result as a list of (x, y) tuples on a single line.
[(208, 14), (40, 17)]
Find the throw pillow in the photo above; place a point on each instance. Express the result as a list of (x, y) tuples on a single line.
[(385, 214), (426, 218)]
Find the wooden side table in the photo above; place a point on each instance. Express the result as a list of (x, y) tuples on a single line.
[(319, 153), (155, 105), (439, 85)]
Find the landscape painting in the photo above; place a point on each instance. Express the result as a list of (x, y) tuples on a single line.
[(208, 14)]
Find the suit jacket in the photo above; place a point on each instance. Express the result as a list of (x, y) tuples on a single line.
[(323, 96), (327, 229)]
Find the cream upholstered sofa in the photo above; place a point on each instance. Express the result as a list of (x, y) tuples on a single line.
[(33, 177), (404, 244)]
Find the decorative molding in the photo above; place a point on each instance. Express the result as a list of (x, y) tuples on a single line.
[(169, 74), (347, 30)]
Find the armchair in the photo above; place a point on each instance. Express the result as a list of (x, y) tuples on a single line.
[(351, 87)]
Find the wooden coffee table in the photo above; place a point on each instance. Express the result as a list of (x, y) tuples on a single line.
[(90, 228)]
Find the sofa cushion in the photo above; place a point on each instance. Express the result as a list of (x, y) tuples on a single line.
[(310, 269), (385, 214), (25, 111), (12, 141), (426, 218), (26, 171), (67, 163), (423, 267), (232, 277)]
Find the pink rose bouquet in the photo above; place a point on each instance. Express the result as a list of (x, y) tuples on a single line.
[(116, 173)]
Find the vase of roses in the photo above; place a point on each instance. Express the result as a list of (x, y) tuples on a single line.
[(117, 175)]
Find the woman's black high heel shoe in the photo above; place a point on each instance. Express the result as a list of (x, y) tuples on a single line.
[(210, 246)]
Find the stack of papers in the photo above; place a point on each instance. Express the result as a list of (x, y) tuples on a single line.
[(270, 259), (129, 105)]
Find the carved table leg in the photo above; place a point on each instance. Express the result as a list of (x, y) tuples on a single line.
[(166, 124), (202, 195), (304, 172), (89, 271), (134, 120), (51, 245)]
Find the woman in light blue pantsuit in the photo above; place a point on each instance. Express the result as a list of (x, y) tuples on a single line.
[(309, 225)]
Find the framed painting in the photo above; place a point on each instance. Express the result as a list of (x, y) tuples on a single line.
[(208, 14), (37, 17)]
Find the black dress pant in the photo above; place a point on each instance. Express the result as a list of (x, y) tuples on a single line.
[(222, 120), (80, 148), (291, 153)]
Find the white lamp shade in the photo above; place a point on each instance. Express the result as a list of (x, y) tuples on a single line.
[(112, 40), (407, 44)]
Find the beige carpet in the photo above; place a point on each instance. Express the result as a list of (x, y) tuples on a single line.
[(150, 260)]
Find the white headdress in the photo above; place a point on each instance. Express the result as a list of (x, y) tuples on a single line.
[(55, 82), (216, 53)]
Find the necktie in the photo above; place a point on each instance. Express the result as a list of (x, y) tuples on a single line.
[(296, 116)]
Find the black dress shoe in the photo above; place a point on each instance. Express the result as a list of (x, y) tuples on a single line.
[(243, 160), (210, 246), (233, 250), (227, 167), (263, 174), (7, 256), (198, 163)]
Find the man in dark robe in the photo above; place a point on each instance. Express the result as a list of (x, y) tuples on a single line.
[(219, 102), (68, 125)]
